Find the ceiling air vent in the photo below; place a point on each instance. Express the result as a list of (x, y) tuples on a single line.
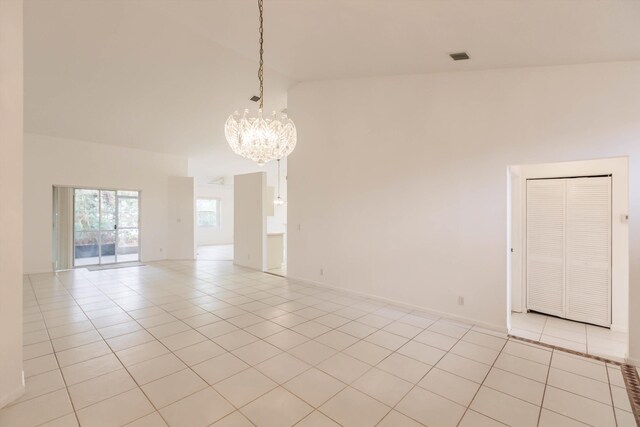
[(459, 56), (254, 98)]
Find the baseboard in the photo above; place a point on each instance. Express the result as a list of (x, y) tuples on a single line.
[(13, 395), (464, 319)]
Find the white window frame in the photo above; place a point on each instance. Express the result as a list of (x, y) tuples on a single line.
[(216, 213)]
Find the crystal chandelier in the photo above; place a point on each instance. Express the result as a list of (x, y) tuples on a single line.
[(258, 138)]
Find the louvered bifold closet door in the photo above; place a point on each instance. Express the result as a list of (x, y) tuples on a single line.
[(545, 245), (588, 269)]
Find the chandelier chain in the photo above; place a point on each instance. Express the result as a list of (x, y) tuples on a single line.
[(261, 67)]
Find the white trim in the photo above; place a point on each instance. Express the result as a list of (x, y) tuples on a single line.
[(490, 326), (13, 395)]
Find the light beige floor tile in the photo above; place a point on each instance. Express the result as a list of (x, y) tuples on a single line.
[(584, 386), (141, 353), (37, 410), (526, 351), (387, 340), (357, 329), (40, 384), (581, 366), (92, 368), (256, 352), (382, 386), (234, 340), (116, 411), (337, 340), (36, 350), (615, 376), (625, 419), (152, 420), (71, 341), (311, 329), (182, 339), (505, 408), (235, 419), (278, 408), (35, 337), (367, 352), (312, 352), (396, 419), (317, 419), (434, 339), (578, 407), (199, 409), (166, 390), (100, 388), (282, 367), (475, 352), (466, 368), (82, 353), (70, 329), (523, 367), (264, 329), (220, 367), (153, 369), (430, 409), (343, 367), (484, 339), (314, 386), (403, 329), (120, 329), (157, 320), (68, 420), (620, 398), (552, 419), (563, 343), (515, 385), (286, 339), (200, 352), (453, 387), (133, 339), (522, 333), (449, 329), (244, 387), (422, 352), (353, 408), (475, 419), (40, 365), (404, 367), (166, 329)]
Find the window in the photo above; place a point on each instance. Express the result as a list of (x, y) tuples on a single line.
[(208, 212)]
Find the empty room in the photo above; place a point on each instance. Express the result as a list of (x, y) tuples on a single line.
[(319, 213)]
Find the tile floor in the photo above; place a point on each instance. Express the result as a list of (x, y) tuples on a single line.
[(581, 337), (209, 344)]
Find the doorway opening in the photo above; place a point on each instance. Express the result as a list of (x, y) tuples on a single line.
[(569, 255), (95, 227)]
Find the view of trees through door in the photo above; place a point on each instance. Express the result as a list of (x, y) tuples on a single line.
[(105, 226)]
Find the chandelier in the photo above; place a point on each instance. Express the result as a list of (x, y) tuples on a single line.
[(258, 138)]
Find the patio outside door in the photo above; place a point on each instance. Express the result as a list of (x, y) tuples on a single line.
[(106, 226)]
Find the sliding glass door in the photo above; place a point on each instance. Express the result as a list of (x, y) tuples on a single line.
[(106, 226)]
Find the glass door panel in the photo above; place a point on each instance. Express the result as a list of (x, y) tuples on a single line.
[(86, 223), (128, 245), (108, 247), (106, 226)]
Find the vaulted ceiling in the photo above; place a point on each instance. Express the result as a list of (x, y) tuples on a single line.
[(163, 75)]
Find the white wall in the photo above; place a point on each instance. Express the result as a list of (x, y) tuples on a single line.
[(399, 184), (618, 169), (50, 161), (181, 218), (11, 125), (250, 222), (223, 234)]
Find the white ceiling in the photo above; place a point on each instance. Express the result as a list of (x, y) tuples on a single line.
[(163, 75)]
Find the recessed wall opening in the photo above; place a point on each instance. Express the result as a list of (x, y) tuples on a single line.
[(568, 255)]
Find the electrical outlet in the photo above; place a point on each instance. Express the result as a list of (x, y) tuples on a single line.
[(322, 271), (299, 227), (460, 300), (160, 249), (249, 257)]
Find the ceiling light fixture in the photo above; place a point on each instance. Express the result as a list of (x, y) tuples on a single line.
[(255, 137)]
